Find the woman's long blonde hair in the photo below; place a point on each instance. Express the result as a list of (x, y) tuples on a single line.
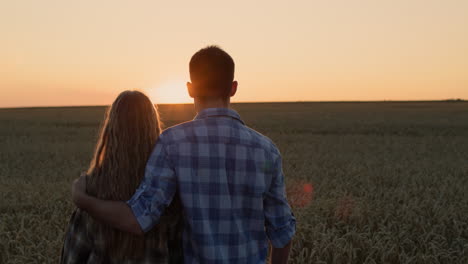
[(129, 132)]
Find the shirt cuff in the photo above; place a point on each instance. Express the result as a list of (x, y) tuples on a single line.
[(281, 236), (144, 220)]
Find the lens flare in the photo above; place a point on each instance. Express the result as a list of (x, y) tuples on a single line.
[(300, 194)]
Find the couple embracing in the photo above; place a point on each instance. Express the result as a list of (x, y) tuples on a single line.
[(206, 191)]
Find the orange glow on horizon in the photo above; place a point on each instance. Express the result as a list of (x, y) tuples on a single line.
[(170, 92), (57, 53)]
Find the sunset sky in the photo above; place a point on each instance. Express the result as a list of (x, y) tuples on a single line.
[(56, 53)]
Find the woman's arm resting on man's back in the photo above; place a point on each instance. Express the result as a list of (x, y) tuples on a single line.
[(114, 213)]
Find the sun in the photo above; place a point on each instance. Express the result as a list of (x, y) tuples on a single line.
[(170, 92)]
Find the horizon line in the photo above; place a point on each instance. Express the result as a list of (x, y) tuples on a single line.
[(260, 102)]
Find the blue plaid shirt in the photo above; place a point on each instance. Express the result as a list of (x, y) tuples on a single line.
[(230, 181)]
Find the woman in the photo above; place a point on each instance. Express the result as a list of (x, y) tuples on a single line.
[(130, 130)]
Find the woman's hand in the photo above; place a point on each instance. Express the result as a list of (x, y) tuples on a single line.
[(79, 189)]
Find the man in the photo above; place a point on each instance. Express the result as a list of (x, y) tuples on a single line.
[(228, 176)]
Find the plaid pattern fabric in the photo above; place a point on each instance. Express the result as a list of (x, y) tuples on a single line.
[(81, 246), (230, 181)]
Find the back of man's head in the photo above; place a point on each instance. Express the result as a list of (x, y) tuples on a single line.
[(211, 73)]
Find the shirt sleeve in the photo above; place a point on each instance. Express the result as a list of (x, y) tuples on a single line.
[(279, 220), (157, 189)]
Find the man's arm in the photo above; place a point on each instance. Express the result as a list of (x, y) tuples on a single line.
[(114, 213), (279, 220), (142, 211)]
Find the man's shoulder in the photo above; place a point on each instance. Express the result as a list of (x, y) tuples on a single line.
[(178, 132), (262, 141), (247, 135)]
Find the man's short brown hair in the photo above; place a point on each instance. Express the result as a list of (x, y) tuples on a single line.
[(211, 72)]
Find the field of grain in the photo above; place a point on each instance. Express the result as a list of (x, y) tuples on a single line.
[(389, 180)]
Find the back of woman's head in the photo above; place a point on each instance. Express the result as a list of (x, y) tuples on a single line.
[(129, 132)]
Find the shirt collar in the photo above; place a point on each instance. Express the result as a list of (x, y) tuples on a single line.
[(218, 112)]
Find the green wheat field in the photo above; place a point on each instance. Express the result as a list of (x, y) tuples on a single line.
[(390, 179)]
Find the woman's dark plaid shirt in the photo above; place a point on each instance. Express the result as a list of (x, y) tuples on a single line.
[(81, 247)]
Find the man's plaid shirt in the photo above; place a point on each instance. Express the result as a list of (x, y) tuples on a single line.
[(230, 181)]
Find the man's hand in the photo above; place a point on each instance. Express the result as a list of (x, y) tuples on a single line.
[(280, 255), (79, 189), (114, 213)]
